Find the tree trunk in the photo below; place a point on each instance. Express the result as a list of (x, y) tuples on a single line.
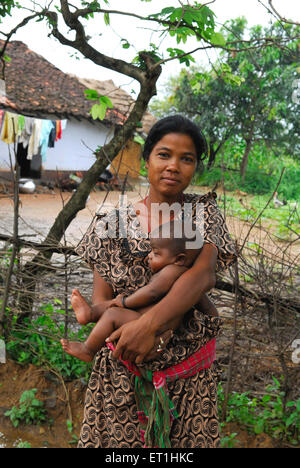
[(39, 265), (214, 148), (212, 155), (244, 163)]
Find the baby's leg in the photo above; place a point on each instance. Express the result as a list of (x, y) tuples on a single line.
[(82, 309), (85, 313), (111, 319)]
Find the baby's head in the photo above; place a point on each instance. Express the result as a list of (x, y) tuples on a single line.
[(168, 247)]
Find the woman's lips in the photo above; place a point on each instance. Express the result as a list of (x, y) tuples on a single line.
[(170, 181)]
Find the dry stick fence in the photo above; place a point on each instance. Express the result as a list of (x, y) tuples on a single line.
[(261, 316)]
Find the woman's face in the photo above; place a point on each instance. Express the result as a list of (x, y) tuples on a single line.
[(172, 164)]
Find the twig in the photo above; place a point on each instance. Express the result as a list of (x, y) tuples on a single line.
[(233, 342), (262, 211), (281, 18), (66, 393), (15, 243)]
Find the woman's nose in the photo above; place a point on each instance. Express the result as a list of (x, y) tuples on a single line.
[(173, 165)]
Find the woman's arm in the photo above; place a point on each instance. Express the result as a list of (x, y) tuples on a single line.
[(136, 339), (158, 286), (102, 296)]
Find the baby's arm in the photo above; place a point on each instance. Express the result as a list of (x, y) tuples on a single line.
[(159, 285)]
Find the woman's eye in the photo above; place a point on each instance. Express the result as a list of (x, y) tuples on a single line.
[(189, 159), (163, 155)]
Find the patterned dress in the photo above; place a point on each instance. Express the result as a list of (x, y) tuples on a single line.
[(110, 414)]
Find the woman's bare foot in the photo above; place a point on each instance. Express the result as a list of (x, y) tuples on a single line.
[(81, 308), (78, 350)]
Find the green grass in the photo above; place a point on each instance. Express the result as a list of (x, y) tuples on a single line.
[(284, 221)]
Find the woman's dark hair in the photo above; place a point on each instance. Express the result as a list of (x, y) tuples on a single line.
[(176, 124)]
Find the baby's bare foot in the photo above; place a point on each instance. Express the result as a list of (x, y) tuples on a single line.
[(81, 308), (78, 350)]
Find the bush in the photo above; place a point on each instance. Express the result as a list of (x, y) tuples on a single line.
[(263, 172), (30, 410), (269, 414), (38, 342)]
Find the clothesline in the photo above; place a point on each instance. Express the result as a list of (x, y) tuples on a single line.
[(35, 134)]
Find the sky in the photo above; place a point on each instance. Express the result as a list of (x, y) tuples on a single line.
[(107, 39)]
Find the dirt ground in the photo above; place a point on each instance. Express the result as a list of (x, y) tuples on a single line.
[(60, 401), (38, 212)]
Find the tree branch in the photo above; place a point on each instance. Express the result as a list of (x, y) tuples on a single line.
[(262, 211), (14, 30), (280, 17), (267, 40), (89, 52)]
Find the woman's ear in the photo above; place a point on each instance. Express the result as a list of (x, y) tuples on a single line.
[(146, 164)]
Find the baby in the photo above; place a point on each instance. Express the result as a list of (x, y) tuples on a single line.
[(168, 259)]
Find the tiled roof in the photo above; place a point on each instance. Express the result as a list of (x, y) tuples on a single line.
[(35, 87)]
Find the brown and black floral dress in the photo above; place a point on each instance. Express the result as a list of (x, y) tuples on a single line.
[(110, 415)]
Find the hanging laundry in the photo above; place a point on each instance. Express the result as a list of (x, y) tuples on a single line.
[(34, 142), (52, 136), (64, 124), (21, 123), (47, 127), (2, 113), (10, 128), (58, 130), (26, 131), (36, 163)]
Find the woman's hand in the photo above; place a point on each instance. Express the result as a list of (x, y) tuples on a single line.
[(117, 301), (136, 343), (161, 342)]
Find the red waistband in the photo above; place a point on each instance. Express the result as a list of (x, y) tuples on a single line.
[(201, 359)]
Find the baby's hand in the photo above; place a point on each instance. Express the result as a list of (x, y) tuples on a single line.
[(117, 301)]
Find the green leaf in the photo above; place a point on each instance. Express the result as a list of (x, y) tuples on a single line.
[(125, 44), (105, 100), (106, 19), (98, 111), (176, 15), (138, 139), (91, 94), (291, 419), (218, 39), (259, 427)]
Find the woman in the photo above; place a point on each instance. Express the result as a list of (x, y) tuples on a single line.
[(172, 152)]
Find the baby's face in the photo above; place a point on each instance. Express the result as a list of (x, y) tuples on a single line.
[(159, 257)]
